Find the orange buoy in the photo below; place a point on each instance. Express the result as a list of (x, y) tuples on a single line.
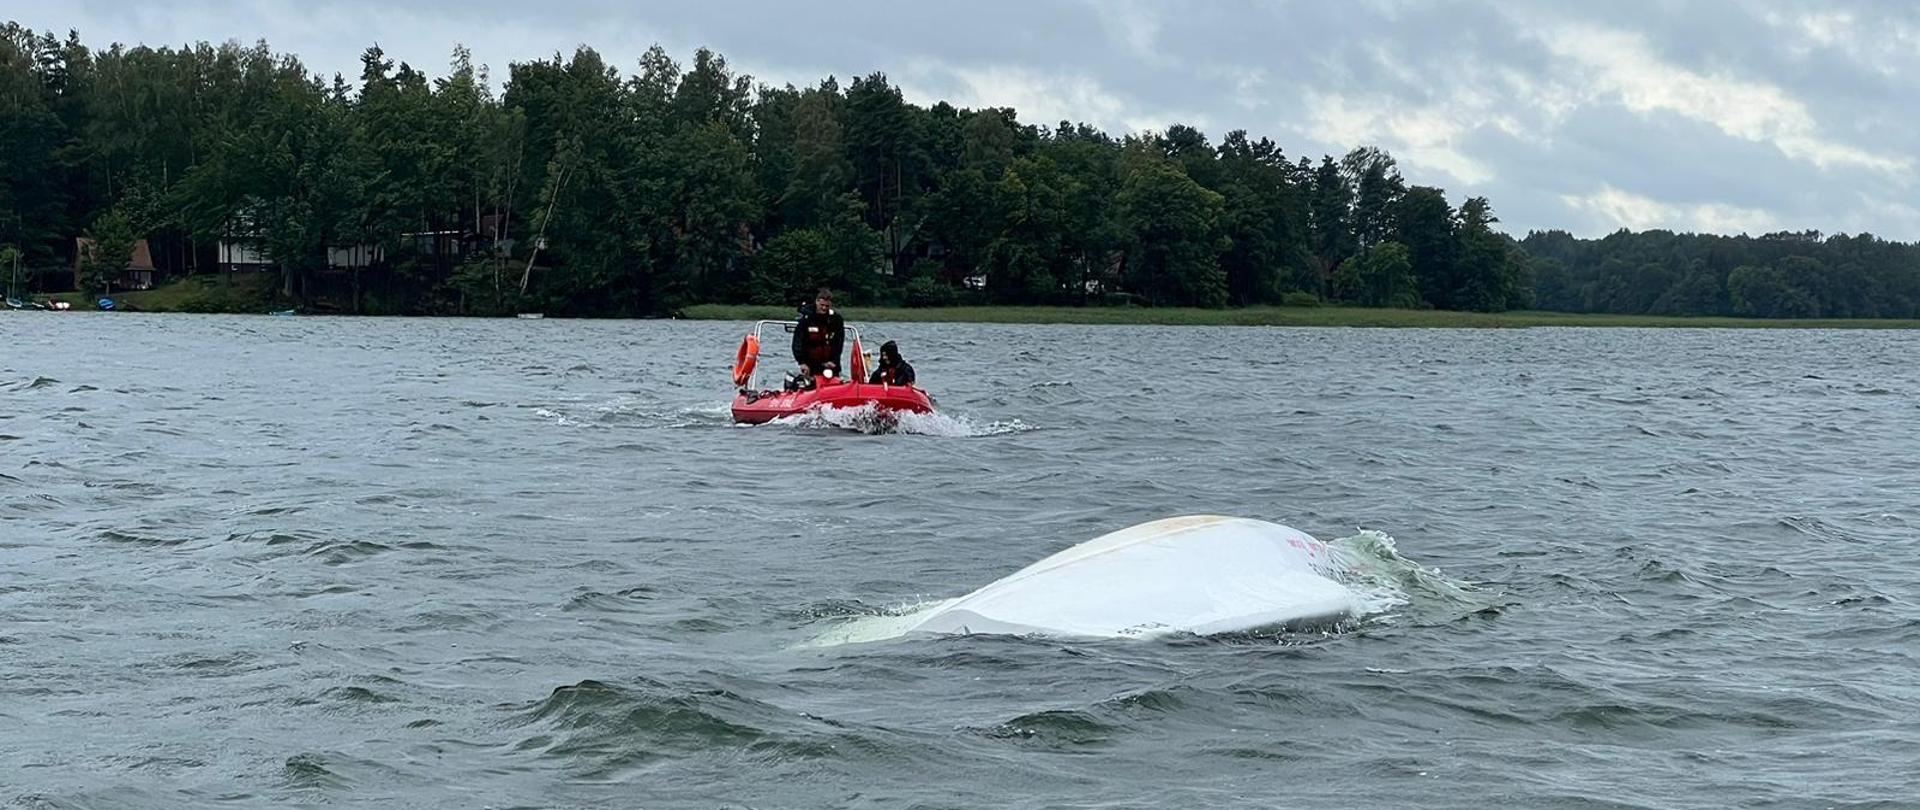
[(859, 366), (745, 358)]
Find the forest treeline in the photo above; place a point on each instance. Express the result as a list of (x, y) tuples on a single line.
[(576, 188)]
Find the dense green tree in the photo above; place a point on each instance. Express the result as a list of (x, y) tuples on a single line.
[(1331, 218), (861, 268), (1174, 235), (34, 166), (112, 238), (579, 188), (1764, 292), (1664, 273), (1424, 222), (1698, 293), (821, 171), (880, 138), (1377, 186), (1265, 220), (1381, 277), (1486, 276), (1021, 263), (791, 266)]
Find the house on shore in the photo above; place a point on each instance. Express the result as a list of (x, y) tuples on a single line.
[(138, 274), (353, 257), (238, 256)]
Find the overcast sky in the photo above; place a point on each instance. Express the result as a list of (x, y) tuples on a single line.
[(1706, 115)]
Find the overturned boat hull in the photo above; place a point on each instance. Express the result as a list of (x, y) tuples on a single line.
[(1198, 575)]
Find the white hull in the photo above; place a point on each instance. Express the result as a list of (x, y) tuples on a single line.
[(1200, 575)]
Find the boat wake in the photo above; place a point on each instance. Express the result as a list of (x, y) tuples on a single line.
[(628, 412), (867, 419), (871, 420)]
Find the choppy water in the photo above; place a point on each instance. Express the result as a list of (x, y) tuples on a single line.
[(444, 563)]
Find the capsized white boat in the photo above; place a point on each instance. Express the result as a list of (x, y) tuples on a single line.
[(1201, 574)]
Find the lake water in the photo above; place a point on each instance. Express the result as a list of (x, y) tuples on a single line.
[(252, 561)]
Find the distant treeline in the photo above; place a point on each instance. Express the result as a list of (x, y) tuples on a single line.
[(577, 189), (1778, 275)]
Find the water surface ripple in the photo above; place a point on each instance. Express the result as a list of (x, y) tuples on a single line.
[(251, 561)]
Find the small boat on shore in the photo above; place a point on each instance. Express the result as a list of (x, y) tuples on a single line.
[(753, 405)]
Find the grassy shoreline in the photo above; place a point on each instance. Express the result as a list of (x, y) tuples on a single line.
[(239, 293), (1287, 316)]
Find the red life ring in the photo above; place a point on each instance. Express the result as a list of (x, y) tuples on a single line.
[(745, 358)]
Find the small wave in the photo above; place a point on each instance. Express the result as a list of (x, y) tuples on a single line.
[(357, 694), (1056, 728), (605, 729), (131, 539), (696, 416), (344, 552), (1816, 528), (625, 600), (310, 772), (624, 411), (1369, 563), (690, 718), (557, 417), (869, 419), (869, 624), (719, 411), (833, 609)]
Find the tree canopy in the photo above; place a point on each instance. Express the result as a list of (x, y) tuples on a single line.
[(580, 188)]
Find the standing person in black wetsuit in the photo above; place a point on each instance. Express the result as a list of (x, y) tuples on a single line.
[(817, 338), (892, 369)]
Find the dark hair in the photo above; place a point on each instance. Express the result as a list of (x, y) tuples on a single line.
[(823, 293)]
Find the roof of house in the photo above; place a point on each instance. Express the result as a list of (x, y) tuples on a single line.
[(140, 259)]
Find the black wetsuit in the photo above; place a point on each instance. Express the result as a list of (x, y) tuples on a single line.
[(817, 339)]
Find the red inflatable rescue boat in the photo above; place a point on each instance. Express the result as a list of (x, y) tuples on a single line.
[(754, 405)]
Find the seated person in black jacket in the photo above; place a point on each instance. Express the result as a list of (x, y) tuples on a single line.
[(892, 369)]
